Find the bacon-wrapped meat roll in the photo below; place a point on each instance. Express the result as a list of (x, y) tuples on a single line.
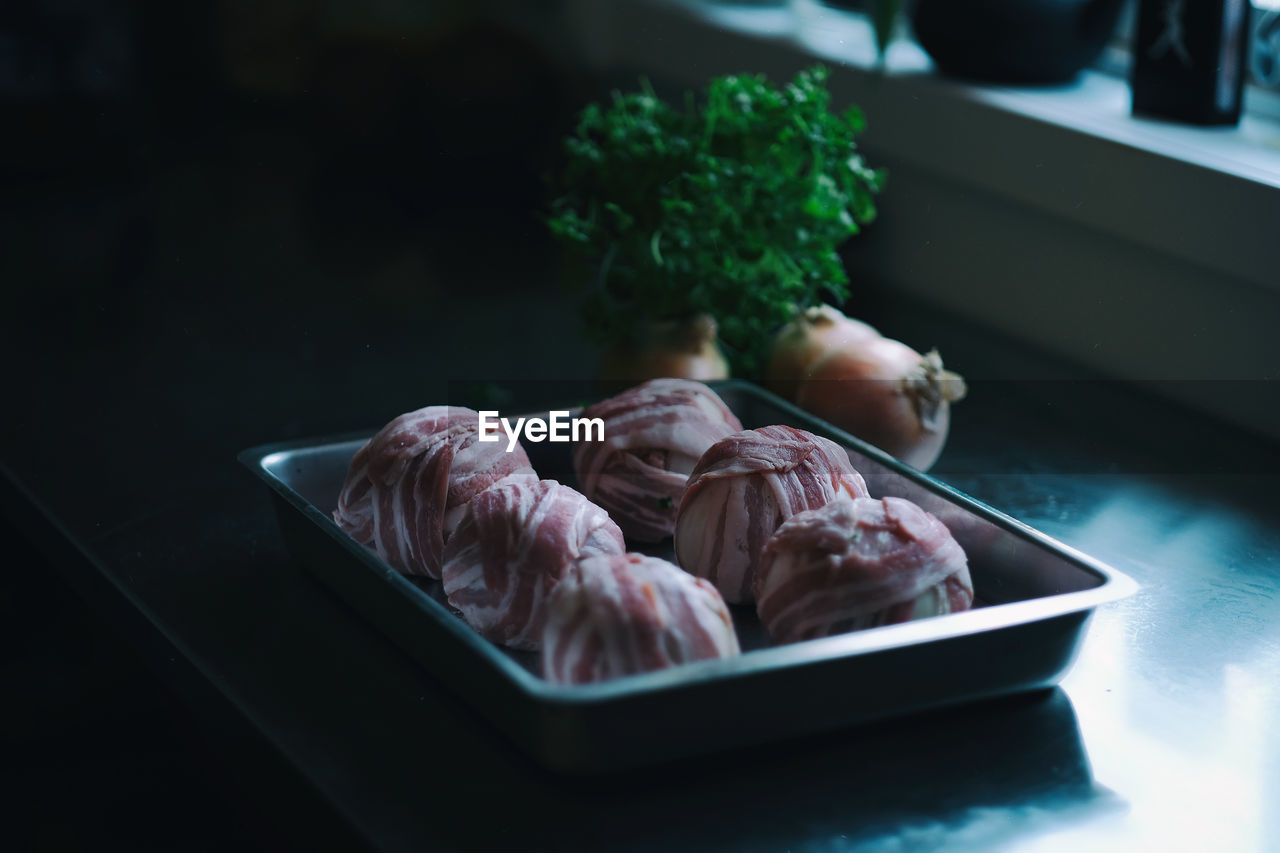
[(653, 436), (856, 564), (625, 614), (407, 487), (513, 545), (746, 485)]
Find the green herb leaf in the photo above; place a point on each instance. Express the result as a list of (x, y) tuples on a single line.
[(733, 206)]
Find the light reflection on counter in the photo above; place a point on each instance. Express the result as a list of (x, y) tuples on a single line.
[(1177, 690)]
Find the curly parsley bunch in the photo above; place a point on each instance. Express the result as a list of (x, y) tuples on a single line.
[(732, 207)]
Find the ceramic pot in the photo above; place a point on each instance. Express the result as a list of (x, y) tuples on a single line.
[(1014, 41)]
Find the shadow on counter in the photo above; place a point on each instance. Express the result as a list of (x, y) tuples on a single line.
[(986, 772)]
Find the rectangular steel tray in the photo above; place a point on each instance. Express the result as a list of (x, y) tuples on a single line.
[(1034, 598)]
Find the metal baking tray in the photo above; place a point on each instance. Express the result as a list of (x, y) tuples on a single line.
[(1034, 597)]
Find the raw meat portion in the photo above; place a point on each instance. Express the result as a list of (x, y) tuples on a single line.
[(406, 488), (513, 545), (856, 564), (746, 485), (625, 614), (653, 436)]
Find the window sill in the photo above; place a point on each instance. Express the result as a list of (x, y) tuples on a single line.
[(1141, 249)]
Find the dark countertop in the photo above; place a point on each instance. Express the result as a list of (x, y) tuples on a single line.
[(237, 291)]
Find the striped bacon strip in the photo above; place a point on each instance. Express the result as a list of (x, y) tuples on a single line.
[(746, 485), (653, 436), (406, 488), (513, 545), (856, 564), (620, 615)]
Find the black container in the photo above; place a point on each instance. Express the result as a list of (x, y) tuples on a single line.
[(1189, 60), (1014, 41)]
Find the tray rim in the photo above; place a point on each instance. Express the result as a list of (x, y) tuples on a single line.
[(1114, 585)]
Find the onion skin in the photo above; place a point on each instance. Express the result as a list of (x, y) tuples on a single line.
[(676, 349), (887, 394), (806, 340)]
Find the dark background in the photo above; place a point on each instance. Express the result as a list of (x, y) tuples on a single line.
[(228, 223), (203, 202)]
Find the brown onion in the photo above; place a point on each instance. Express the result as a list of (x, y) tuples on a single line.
[(887, 394), (679, 349), (805, 340)]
